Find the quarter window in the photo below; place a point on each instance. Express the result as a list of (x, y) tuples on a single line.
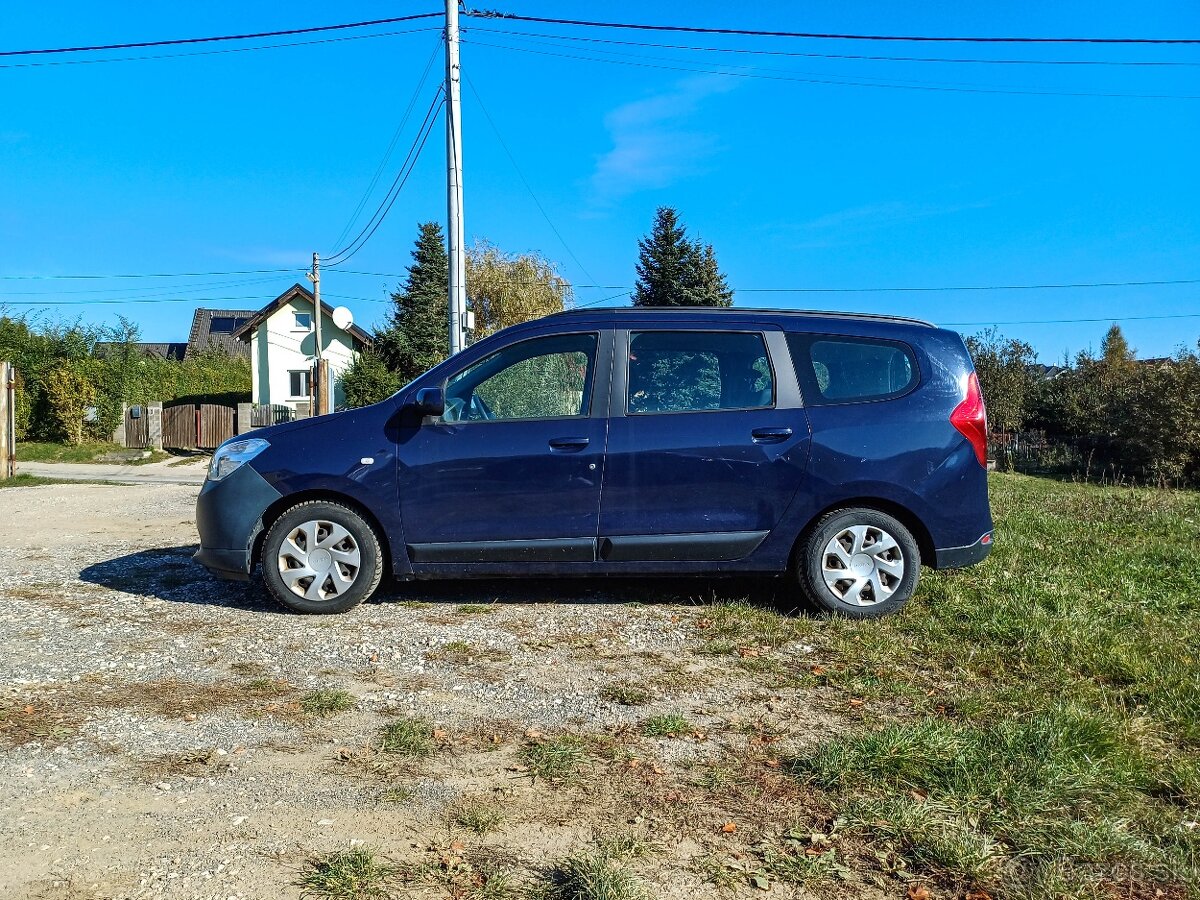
[(835, 369), (694, 371), (543, 378)]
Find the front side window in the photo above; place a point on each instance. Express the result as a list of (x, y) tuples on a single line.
[(835, 369), (298, 383), (693, 371), (543, 378), (303, 321)]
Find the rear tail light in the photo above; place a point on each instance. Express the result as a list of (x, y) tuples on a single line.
[(970, 418)]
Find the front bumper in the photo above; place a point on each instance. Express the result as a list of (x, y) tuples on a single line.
[(960, 557), (229, 518)]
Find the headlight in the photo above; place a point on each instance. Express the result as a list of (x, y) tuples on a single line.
[(232, 454)]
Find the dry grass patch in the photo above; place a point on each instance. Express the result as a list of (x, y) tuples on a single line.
[(48, 719), (626, 693), (201, 763), (463, 653)]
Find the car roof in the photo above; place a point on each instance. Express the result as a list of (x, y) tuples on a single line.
[(810, 317)]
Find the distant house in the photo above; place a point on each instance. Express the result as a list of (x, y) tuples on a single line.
[(282, 347), (174, 351), (214, 329)]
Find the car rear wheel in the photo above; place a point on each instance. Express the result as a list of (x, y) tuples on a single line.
[(321, 557), (860, 563)]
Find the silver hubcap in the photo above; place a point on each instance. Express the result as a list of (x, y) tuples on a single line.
[(319, 560), (863, 565)]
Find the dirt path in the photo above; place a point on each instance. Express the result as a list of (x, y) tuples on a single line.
[(155, 740)]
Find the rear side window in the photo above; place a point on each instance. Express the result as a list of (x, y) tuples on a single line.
[(842, 369), (696, 371)]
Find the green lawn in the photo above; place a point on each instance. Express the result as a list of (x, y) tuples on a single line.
[(37, 451), (1041, 733)]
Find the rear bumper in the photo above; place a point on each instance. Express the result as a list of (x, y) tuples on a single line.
[(960, 557)]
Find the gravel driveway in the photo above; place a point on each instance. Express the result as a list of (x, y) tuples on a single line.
[(165, 734)]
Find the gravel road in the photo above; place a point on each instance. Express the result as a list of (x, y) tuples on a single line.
[(154, 742)]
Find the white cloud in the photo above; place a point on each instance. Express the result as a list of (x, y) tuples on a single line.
[(652, 145)]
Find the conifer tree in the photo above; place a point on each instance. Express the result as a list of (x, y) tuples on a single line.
[(416, 335), (675, 271)]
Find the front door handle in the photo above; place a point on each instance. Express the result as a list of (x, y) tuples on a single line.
[(770, 435), (568, 444)]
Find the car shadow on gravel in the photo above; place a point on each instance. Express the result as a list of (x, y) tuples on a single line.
[(168, 573)]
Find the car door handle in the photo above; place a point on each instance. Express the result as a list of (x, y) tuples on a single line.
[(568, 444), (770, 435)]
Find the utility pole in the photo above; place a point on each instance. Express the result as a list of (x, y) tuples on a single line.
[(320, 388), (454, 231)]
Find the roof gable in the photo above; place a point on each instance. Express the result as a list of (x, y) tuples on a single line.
[(295, 292)]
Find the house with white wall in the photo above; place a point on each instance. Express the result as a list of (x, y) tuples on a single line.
[(283, 348)]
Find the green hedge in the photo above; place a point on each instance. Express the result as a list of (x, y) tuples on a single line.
[(60, 373)]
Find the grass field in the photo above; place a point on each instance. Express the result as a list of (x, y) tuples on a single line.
[(1029, 728), (1045, 707), (35, 451)]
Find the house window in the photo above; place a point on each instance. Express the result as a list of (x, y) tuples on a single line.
[(303, 321), (298, 383)]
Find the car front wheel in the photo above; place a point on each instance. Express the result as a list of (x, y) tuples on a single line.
[(860, 563), (321, 557)]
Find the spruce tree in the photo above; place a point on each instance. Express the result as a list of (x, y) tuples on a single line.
[(675, 271), (416, 335)]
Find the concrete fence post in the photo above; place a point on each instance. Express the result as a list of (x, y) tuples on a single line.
[(154, 425), (244, 411), (118, 436)]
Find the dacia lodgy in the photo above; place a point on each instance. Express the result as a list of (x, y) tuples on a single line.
[(842, 451)]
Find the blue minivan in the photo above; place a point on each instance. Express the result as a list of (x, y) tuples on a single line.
[(840, 450)]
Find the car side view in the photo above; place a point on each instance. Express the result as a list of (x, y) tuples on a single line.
[(841, 450)]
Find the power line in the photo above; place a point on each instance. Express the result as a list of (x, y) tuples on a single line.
[(389, 199), (793, 53), (1073, 321), (175, 42), (149, 275), (391, 146), (817, 35), (834, 80), (119, 59), (885, 80), (524, 180)]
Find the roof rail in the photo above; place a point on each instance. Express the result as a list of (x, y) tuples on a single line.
[(814, 313)]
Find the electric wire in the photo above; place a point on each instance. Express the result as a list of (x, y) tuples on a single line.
[(816, 35), (524, 180), (397, 186), (833, 80), (391, 146), (793, 53), (224, 50), (252, 36)]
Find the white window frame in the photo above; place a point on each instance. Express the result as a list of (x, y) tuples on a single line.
[(296, 326)]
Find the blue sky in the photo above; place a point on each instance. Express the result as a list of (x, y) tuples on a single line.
[(252, 160)]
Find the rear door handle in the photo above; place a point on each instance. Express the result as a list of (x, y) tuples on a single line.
[(568, 444), (770, 435)]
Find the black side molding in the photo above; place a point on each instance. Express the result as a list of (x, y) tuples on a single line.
[(716, 546), (548, 550)]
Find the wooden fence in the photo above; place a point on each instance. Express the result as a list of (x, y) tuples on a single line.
[(264, 415), (195, 426), (137, 427), (8, 421)]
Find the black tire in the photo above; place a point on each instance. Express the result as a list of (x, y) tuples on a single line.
[(815, 569), (344, 589)]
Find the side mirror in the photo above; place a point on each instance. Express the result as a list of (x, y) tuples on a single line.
[(430, 401)]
